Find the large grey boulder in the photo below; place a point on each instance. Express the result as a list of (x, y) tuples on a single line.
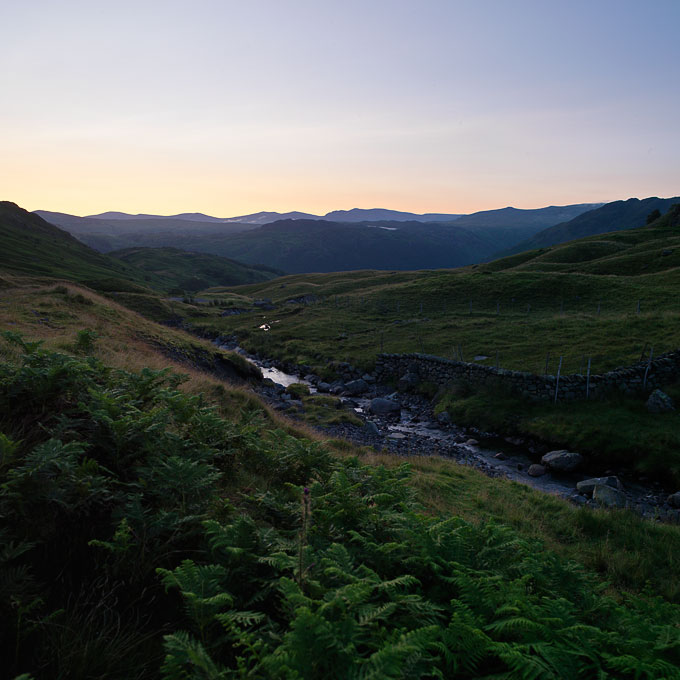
[(356, 387), (609, 497), (562, 460), (383, 406), (587, 486), (660, 402), (674, 500)]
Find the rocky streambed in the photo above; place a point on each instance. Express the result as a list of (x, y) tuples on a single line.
[(404, 424)]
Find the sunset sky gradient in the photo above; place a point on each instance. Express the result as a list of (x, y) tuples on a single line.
[(229, 107)]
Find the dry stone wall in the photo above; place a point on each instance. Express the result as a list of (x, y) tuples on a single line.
[(629, 380)]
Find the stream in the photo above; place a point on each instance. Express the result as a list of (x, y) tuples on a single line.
[(416, 432)]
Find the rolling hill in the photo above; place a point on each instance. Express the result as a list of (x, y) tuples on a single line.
[(615, 216), (30, 245), (192, 271)]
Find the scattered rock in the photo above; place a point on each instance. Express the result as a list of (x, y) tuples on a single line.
[(372, 428), (674, 500), (368, 378), (536, 470), (500, 456), (562, 461), (660, 402), (587, 486), (515, 441), (356, 387), (666, 252), (337, 387), (382, 405), (444, 418), (323, 386), (472, 442), (396, 435), (609, 497)]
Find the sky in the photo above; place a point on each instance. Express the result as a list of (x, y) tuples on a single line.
[(231, 107)]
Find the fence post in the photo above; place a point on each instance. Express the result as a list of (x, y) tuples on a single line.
[(649, 365), (638, 307), (557, 382), (470, 307), (498, 307), (588, 381), (547, 361), (599, 303)]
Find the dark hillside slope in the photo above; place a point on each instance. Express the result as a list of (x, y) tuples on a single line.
[(30, 245), (193, 271), (615, 216), (534, 220), (298, 246), (319, 246)]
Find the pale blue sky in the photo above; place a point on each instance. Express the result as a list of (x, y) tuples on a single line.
[(231, 107)]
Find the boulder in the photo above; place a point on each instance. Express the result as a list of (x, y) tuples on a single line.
[(674, 500), (383, 406), (472, 442), (562, 461), (587, 486), (500, 456), (660, 402), (609, 497), (396, 435), (444, 418), (323, 386), (356, 387), (371, 428), (536, 470), (337, 387)]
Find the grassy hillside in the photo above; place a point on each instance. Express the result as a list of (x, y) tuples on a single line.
[(192, 271), (614, 216), (576, 301), (30, 245), (167, 530)]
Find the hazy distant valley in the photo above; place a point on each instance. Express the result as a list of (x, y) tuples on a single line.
[(338, 241)]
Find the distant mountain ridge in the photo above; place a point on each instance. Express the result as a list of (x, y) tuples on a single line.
[(365, 239), (614, 216), (265, 217)]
